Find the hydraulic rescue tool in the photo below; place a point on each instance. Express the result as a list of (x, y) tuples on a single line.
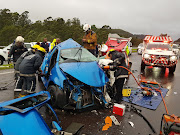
[(171, 122)]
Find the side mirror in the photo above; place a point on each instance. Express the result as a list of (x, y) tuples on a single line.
[(56, 126)]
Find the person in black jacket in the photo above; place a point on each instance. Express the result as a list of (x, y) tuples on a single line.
[(120, 73), (45, 45), (17, 49), (28, 67), (18, 62)]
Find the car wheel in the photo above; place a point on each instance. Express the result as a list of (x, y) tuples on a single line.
[(143, 65), (172, 69), (53, 92), (1, 61)]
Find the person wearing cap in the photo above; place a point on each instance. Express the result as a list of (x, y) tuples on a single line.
[(89, 39), (28, 67), (120, 74), (17, 49), (19, 81)]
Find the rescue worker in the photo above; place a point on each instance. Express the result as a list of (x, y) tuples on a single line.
[(120, 73), (45, 45), (19, 82), (28, 67), (55, 42), (89, 39), (17, 50)]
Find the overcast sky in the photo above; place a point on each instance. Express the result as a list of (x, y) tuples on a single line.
[(135, 16)]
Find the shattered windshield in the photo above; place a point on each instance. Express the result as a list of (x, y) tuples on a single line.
[(76, 55)]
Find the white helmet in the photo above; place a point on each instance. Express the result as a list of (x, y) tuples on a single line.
[(20, 39), (86, 27)]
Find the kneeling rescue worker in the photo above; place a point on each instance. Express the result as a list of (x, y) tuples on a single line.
[(28, 67), (120, 73)]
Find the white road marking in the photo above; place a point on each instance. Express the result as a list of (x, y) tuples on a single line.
[(6, 73)]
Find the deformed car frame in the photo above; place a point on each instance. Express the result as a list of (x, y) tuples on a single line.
[(73, 76), (21, 116)]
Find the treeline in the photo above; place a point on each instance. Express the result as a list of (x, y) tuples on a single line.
[(13, 24)]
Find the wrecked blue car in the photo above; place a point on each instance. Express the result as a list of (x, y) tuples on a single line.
[(21, 116), (73, 76)]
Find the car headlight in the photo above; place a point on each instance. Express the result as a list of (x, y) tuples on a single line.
[(146, 56), (173, 58)]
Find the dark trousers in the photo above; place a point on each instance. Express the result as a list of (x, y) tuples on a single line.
[(26, 83), (93, 51), (119, 87)]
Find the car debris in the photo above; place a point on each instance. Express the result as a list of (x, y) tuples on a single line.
[(131, 123), (115, 121)]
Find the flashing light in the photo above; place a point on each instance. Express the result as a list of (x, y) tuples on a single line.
[(173, 58), (166, 41), (152, 56), (150, 41)]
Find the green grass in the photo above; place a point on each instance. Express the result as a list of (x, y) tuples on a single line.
[(7, 66), (134, 50)]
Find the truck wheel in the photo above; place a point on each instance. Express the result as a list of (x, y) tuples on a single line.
[(1, 61), (172, 69), (143, 65)]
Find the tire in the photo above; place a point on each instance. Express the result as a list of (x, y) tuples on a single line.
[(172, 69), (53, 92), (58, 96), (143, 65), (1, 61)]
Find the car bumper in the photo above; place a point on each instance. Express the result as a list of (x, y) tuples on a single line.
[(159, 63)]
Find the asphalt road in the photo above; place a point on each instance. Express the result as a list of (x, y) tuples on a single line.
[(94, 120)]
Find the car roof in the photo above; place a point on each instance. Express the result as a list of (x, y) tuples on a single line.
[(70, 43)]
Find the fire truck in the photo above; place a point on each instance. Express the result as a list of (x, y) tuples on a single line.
[(158, 53)]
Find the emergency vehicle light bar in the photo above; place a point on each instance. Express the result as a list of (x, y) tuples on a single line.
[(158, 38)]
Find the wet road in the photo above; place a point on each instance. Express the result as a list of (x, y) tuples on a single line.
[(94, 121)]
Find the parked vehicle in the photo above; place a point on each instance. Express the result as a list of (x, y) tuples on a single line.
[(175, 49), (159, 55), (140, 48), (4, 52), (73, 77), (21, 116), (117, 43)]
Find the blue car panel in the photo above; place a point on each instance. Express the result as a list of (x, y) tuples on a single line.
[(82, 70), (21, 117), (29, 123)]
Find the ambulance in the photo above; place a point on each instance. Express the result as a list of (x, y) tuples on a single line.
[(158, 52)]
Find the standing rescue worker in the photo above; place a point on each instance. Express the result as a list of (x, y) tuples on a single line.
[(19, 82), (120, 73), (89, 39), (45, 45), (28, 68), (55, 42), (17, 50)]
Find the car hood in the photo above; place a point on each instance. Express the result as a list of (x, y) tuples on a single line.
[(87, 72), (159, 52)]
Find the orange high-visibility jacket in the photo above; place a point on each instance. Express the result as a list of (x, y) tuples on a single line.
[(91, 40)]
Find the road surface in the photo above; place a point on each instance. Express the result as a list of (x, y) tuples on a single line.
[(94, 120)]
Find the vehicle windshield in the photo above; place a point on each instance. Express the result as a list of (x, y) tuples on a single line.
[(76, 55), (165, 47)]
